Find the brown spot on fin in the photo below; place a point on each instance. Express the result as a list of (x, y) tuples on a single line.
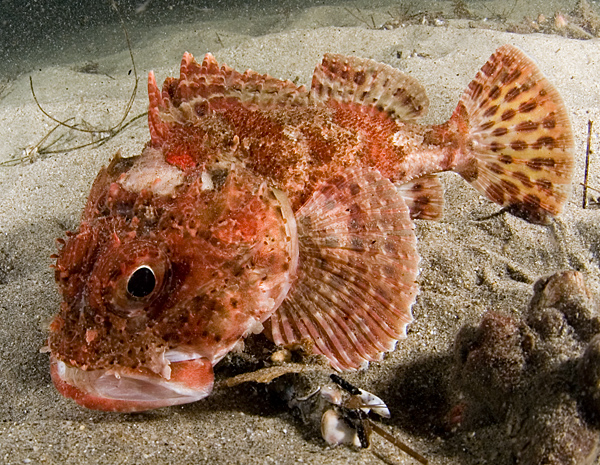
[(519, 139), (424, 197), (357, 273), (366, 82), (186, 99)]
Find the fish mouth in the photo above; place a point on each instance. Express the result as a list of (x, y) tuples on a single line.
[(123, 389)]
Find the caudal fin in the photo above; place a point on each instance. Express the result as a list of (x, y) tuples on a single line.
[(519, 138)]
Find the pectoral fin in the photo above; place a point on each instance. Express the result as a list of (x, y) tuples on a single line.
[(357, 273)]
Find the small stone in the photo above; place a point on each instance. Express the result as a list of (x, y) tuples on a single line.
[(491, 359), (281, 356), (568, 293), (589, 378)]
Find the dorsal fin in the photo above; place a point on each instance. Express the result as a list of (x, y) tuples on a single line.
[(185, 99), (366, 82), (424, 197), (211, 80), (357, 273)]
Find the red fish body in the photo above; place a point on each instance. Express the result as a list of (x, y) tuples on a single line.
[(262, 206)]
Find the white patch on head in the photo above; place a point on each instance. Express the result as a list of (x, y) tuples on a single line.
[(207, 182), (152, 172)]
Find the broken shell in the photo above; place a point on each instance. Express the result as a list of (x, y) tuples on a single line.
[(564, 298), (560, 21), (336, 431), (332, 394), (564, 287), (374, 404)]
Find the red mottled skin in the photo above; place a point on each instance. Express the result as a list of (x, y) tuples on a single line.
[(204, 244), (186, 249), (195, 241), (295, 148)]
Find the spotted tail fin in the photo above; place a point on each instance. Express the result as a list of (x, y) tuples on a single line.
[(519, 143)]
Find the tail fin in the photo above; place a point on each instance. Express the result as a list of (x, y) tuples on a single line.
[(519, 137)]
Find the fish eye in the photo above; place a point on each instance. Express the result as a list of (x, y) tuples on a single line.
[(141, 282)]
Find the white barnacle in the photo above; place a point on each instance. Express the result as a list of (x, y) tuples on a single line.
[(403, 138), (398, 139), (292, 133), (152, 172), (207, 181)]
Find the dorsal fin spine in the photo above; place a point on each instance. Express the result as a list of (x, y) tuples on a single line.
[(345, 79)]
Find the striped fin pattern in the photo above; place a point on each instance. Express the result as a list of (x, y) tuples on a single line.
[(357, 273), (362, 81), (424, 197)]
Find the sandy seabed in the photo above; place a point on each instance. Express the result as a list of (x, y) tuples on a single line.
[(468, 266)]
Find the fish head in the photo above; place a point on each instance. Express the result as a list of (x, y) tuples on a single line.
[(168, 271)]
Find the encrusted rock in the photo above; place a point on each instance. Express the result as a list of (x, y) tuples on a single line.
[(555, 434), (491, 358), (567, 293), (539, 375), (588, 371)]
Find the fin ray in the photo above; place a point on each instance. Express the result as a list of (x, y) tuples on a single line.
[(185, 100), (346, 79), (424, 197), (357, 273), (520, 137)]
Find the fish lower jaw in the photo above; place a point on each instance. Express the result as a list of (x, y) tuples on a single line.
[(126, 390)]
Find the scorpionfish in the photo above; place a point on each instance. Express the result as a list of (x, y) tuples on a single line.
[(260, 206)]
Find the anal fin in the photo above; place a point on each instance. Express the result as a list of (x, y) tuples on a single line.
[(357, 274), (424, 197)]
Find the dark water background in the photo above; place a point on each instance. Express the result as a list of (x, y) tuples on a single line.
[(38, 33), (34, 31)]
